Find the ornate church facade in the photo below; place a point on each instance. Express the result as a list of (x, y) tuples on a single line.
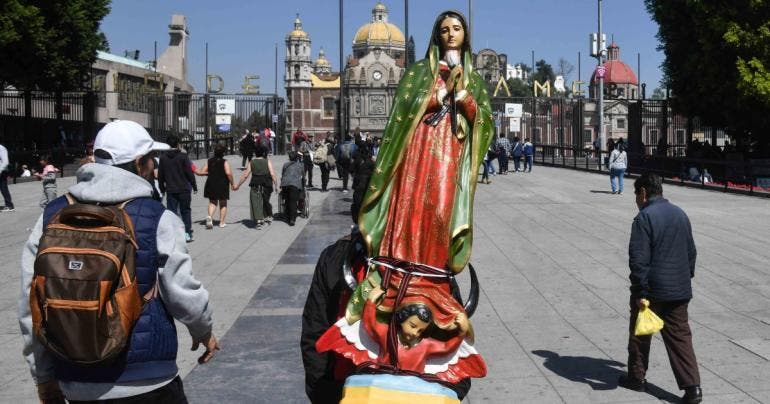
[(370, 77)]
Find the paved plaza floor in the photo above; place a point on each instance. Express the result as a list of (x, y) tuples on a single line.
[(550, 249)]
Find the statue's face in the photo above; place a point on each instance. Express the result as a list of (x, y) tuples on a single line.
[(452, 34), (411, 330)]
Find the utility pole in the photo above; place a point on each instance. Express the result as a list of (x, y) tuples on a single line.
[(470, 19), (340, 110), (207, 133), (599, 60), (275, 89), (406, 34)]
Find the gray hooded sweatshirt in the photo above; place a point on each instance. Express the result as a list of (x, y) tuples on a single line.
[(183, 295)]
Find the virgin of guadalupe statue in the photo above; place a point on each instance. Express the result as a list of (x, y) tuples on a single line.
[(419, 205), (416, 219)]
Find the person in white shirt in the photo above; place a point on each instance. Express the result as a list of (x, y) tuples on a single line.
[(618, 164), (4, 174)]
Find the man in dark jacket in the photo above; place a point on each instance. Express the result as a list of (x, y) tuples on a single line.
[(176, 180), (343, 153), (662, 260), (362, 169)]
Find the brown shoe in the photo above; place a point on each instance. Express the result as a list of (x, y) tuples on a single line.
[(692, 395)]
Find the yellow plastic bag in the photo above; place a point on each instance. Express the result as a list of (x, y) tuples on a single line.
[(647, 322)]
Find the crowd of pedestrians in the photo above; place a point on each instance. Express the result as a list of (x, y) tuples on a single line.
[(503, 150)]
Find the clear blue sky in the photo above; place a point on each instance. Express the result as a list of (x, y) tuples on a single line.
[(242, 33)]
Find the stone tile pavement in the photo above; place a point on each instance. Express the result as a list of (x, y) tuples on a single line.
[(550, 249)]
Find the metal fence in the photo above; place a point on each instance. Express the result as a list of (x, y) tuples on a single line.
[(649, 126), (33, 124), (734, 173), (660, 140)]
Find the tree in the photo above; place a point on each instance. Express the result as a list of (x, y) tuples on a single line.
[(717, 61), (53, 44), (519, 88), (543, 72), (564, 68), (658, 94)]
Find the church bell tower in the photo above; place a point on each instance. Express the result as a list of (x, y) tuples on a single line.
[(298, 62)]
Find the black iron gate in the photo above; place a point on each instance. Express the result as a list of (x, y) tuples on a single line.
[(200, 121)]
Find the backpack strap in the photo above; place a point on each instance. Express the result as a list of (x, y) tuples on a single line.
[(153, 292)]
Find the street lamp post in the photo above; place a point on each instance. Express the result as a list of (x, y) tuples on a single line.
[(600, 77), (340, 109)]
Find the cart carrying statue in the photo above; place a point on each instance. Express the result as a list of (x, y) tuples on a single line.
[(404, 331)]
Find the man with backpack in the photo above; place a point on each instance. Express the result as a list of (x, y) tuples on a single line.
[(155, 284), (344, 155), (306, 151), (321, 159)]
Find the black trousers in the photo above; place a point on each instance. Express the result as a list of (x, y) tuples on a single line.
[(324, 176), (308, 171), (676, 337), (516, 163), (179, 203), (172, 393), (344, 168), (503, 159), (4, 189), (246, 158), (291, 194)]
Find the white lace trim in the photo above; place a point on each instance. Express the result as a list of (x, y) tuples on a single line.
[(356, 335)]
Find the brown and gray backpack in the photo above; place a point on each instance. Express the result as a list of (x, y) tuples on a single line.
[(84, 296)]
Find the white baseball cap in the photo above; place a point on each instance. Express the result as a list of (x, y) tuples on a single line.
[(124, 141)]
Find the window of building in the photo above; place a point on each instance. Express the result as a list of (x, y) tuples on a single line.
[(680, 136), (588, 134), (328, 107), (296, 72), (296, 49), (621, 123)]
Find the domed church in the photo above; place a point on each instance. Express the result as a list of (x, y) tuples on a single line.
[(620, 82), (370, 78)]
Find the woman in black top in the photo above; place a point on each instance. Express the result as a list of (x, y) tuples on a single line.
[(218, 183)]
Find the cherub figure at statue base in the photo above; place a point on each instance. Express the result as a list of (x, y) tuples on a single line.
[(426, 334)]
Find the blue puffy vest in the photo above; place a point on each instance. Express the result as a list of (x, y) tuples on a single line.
[(151, 351)]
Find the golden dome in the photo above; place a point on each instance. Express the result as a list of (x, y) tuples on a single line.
[(322, 61), (379, 32), (298, 32)]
